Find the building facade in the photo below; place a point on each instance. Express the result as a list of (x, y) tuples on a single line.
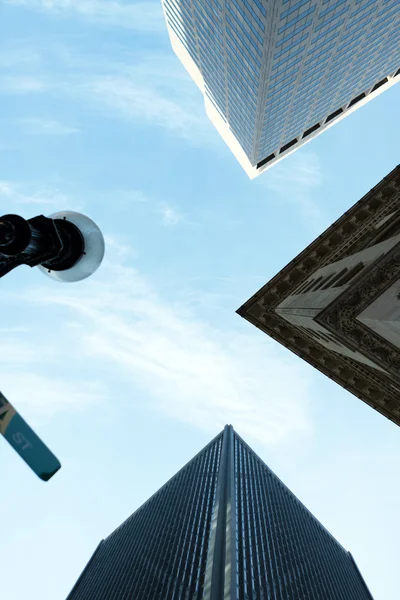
[(337, 304), (276, 73), (223, 528)]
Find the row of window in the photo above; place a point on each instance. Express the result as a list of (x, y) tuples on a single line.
[(292, 34), (215, 102), (242, 45), (165, 542), (316, 67), (295, 6), (241, 64), (291, 45), (331, 7), (275, 125), (215, 10), (297, 19), (285, 60), (241, 31), (322, 34), (180, 8), (273, 143), (273, 112), (245, 40), (178, 31), (291, 68), (179, 18), (209, 65), (332, 18), (322, 44), (253, 14), (247, 20), (282, 550), (249, 101)]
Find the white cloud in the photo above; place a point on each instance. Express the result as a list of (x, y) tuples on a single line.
[(18, 352), (150, 89), (119, 247), (17, 56), (170, 215), (151, 100), (25, 362), (140, 16), (31, 194), (39, 126), (40, 397), (21, 84), (193, 372)]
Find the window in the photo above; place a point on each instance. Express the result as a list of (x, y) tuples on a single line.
[(234, 15), (308, 285), (315, 56), (290, 10), (311, 130), (316, 67), (301, 16), (323, 33), (246, 18), (392, 229), (334, 115), (289, 56), (324, 42), (293, 33), (363, 7), (379, 84), (332, 18), (355, 21), (290, 46), (349, 275), (356, 99), (240, 35), (333, 280), (265, 161), (242, 47)]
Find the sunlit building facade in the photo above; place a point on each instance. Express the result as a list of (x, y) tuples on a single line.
[(276, 73), (223, 528)]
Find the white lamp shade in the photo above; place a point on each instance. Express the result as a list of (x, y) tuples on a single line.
[(93, 250)]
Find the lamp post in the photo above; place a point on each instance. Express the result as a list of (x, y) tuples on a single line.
[(66, 246)]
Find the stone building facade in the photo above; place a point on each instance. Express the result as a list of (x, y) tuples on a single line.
[(337, 304)]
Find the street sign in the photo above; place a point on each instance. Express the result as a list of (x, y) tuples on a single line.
[(25, 441)]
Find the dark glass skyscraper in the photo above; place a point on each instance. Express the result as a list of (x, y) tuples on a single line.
[(223, 528)]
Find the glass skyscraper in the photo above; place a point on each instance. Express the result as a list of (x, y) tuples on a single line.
[(223, 528), (276, 73)]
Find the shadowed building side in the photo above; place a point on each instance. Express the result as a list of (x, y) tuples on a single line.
[(337, 304), (223, 528)]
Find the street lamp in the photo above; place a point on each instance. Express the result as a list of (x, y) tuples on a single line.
[(67, 246)]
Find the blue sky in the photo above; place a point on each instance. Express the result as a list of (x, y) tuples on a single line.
[(128, 374)]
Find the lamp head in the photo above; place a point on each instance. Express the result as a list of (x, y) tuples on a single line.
[(83, 245)]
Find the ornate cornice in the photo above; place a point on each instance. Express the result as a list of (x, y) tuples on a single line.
[(341, 315), (351, 233)]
